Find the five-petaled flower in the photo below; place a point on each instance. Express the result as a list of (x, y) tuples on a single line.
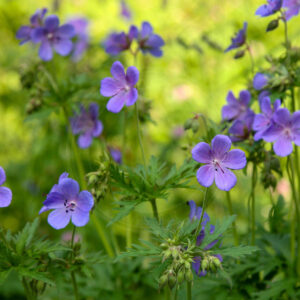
[(5, 192), (80, 25), (293, 8), (68, 204), (284, 131), (121, 87), (86, 124), (150, 42), (240, 129), (270, 8), (263, 121), (51, 35), (240, 38), (236, 108), (195, 213), (218, 160), (36, 20)]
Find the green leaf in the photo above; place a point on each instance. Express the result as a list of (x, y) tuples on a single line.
[(42, 276), (238, 251), (124, 210)]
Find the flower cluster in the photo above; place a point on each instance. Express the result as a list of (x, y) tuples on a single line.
[(203, 264), (218, 160), (68, 204), (148, 42)]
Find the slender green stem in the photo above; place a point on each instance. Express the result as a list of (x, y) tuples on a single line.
[(235, 234), (154, 209), (29, 295), (188, 290), (202, 214), (254, 179), (129, 231), (176, 292), (139, 133), (75, 288)]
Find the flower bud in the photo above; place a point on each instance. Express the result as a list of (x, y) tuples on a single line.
[(189, 275), (181, 276), (195, 126), (272, 25), (171, 279), (239, 54), (204, 264), (163, 280), (188, 124)]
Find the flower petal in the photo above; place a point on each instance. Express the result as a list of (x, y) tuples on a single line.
[(202, 153), (2, 176), (146, 29), (5, 196), (225, 179), (220, 144), (66, 31), (97, 129), (132, 75), (51, 23), (80, 218), (260, 122), (69, 188), (45, 51), (54, 200), (193, 208), (229, 112), (116, 103), (58, 218), (85, 139), (110, 87), (85, 201), (272, 133), (235, 159), (283, 146), (63, 47), (245, 97), (231, 98), (265, 106), (117, 71), (131, 96), (296, 120), (94, 110), (205, 175), (282, 116)]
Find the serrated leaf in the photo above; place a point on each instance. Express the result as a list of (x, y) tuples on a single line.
[(124, 210), (42, 276), (238, 251)]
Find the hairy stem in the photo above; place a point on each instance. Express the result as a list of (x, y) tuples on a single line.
[(188, 290), (235, 234), (139, 133), (253, 185), (74, 283), (154, 209)]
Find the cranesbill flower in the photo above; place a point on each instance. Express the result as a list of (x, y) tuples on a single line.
[(68, 204), (260, 81), (293, 8), (218, 160), (36, 20), (263, 121), (125, 11), (52, 36), (284, 131), (196, 214), (5, 192), (86, 124), (81, 30), (240, 38), (121, 87), (116, 155), (236, 108), (240, 129), (268, 9), (150, 42), (118, 42)]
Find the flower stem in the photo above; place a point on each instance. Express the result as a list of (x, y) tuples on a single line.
[(188, 290), (139, 133), (154, 209), (75, 288), (235, 234), (254, 179), (202, 214)]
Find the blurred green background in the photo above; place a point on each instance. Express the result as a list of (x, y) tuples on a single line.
[(34, 152)]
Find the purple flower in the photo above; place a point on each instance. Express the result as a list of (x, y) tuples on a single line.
[(284, 131), (116, 155), (260, 81), (293, 8), (120, 87), (86, 124), (5, 193), (196, 213), (239, 40), (218, 160), (150, 42), (263, 94), (118, 42), (25, 32), (263, 121), (236, 108), (51, 35), (241, 128), (268, 9), (81, 30), (68, 203), (125, 11)]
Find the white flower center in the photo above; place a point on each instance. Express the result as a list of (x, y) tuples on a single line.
[(70, 205), (217, 165), (126, 88)]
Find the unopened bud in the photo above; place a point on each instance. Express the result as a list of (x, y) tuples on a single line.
[(239, 54), (188, 124), (272, 25), (189, 275)]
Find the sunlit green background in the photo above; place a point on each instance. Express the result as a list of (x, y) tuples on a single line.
[(183, 82)]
